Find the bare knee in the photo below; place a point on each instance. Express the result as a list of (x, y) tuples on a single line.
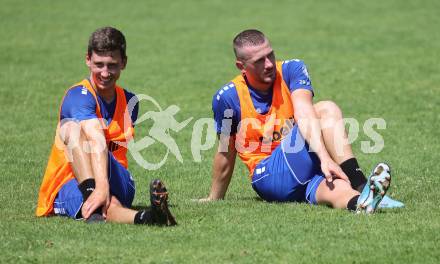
[(328, 109), (70, 133)]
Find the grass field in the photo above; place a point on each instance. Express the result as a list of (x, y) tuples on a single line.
[(376, 58)]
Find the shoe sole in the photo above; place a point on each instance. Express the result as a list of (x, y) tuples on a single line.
[(378, 184), (159, 198)]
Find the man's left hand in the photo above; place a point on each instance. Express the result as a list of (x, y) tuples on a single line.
[(332, 170)]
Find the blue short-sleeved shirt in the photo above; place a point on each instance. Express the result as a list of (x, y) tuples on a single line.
[(226, 104), (79, 104)]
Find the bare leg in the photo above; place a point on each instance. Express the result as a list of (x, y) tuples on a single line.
[(80, 157), (336, 194), (333, 131), (75, 142), (80, 160), (119, 214)]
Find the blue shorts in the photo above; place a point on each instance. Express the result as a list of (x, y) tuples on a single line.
[(69, 199), (290, 173)]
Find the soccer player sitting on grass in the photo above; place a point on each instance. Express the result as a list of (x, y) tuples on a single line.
[(266, 115), (86, 176)]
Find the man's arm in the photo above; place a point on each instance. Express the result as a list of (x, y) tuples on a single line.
[(222, 169), (82, 133), (93, 131), (310, 128)]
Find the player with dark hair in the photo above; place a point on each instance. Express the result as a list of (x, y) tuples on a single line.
[(86, 176), (295, 150)]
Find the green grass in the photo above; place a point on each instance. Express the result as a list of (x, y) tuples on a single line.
[(374, 58)]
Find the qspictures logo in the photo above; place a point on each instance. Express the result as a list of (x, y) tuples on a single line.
[(164, 126)]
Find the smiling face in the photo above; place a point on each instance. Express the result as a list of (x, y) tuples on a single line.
[(105, 69), (257, 63)]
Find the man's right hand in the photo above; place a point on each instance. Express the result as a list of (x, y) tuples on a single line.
[(99, 197), (204, 200), (332, 170)]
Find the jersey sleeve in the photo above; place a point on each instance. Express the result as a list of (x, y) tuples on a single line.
[(225, 106), (78, 104), (296, 75)]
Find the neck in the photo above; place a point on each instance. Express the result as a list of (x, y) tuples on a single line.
[(261, 87), (107, 95)]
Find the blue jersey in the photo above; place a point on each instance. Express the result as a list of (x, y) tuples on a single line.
[(79, 104), (294, 74)]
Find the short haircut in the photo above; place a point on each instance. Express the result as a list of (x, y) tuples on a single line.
[(249, 37), (107, 39)]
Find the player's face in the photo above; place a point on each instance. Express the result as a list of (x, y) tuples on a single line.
[(105, 68), (258, 64)]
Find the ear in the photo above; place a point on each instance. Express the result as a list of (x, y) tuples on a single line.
[(88, 60), (240, 66), (124, 63)]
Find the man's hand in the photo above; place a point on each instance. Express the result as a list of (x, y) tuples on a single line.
[(310, 128), (204, 200), (332, 170), (222, 169), (99, 197)]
